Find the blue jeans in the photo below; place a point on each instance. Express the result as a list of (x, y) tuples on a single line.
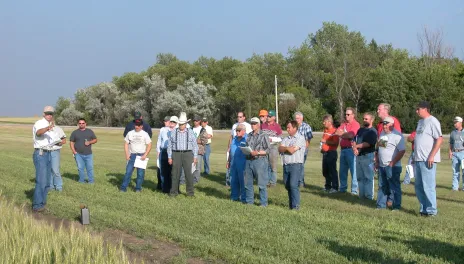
[(348, 161), (389, 186), (42, 165), (292, 174), (206, 158), (237, 180), (301, 181), (456, 165), (425, 187), (129, 170), (84, 161), (56, 182), (365, 175), (256, 168), (273, 156)]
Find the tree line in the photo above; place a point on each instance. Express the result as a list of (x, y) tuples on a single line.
[(332, 69)]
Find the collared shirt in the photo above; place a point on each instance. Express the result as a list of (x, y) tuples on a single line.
[(329, 135), (59, 133), (274, 127), (236, 155), (305, 130), (456, 139), (259, 141), (396, 125), (248, 128), (45, 139), (163, 139), (183, 140), (297, 156), (352, 126)]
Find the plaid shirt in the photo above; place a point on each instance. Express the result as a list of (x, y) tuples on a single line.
[(181, 143), (306, 131), (259, 141)]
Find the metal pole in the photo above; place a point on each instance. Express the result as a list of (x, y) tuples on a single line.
[(276, 101)]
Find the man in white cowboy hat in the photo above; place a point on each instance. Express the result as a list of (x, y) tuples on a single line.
[(182, 152)]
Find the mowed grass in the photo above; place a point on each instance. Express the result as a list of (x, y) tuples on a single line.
[(26, 240), (19, 120), (336, 228)]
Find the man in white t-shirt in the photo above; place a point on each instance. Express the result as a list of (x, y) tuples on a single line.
[(209, 131), (41, 157), (56, 182), (137, 144)]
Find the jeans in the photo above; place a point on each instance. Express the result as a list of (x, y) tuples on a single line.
[(425, 187), (365, 175), (196, 173), (389, 186), (348, 161), (273, 159), (407, 177), (237, 180), (85, 161), (292, 174), (206, 158), (165, 172), (42, 165), (456, 165), (129, 170), (329, 169), (56, 182), (301, 181), (256, 168)]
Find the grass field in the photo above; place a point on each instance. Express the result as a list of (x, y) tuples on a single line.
[(19, 120), (334, 228)]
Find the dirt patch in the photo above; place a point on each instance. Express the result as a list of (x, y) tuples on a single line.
[(137, 249)]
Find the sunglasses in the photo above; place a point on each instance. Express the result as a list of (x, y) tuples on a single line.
[(81, 123), (240, 117), (348, 114), (254, 123), (238, 130)]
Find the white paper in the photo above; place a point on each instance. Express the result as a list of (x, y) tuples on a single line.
[(194, 168), (462, 164), (246, 150), (158, 163), (227, 156), (410, 171), (139, 163), (275, 140)]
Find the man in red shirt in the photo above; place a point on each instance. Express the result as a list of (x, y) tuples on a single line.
[(276, 132), (347, 132), (329, 145), (383, 110)]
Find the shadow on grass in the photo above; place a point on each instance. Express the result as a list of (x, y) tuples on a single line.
[(214, 192), (217, 177), (117, 179), (71, 176), (359, 254), (346, 197), (431, 248), (438, 198), (29, 194)]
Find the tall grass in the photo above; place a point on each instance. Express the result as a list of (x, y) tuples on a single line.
[(26, 240)]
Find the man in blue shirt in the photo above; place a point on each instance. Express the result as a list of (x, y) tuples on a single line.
[(131, 125), (164, 170), (236, 164)]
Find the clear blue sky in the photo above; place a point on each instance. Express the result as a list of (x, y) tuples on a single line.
[(51, 48)]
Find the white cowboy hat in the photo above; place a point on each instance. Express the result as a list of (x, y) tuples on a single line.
[(183, 118)]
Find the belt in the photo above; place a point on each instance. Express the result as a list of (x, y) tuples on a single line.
[(325, 152), (255, 158), (46, 150), (181, 151), (458, 150), (365, 153), (345, 147), (292, 164)]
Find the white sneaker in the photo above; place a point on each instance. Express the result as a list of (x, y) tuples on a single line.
[(333, 191)]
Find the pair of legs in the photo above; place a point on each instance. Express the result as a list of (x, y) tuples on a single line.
[(84, 162)]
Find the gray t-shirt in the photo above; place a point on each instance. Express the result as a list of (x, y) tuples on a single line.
[(457, 139), (78, 137), (428, 130), (389, 145)]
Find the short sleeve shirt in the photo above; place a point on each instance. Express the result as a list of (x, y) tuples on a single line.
[(366, 135), (137, 141), (297, 156), (427, 132), (389, 145), (274, 127), (305, 130), (457, 139), (43, 140), (209, 130), (353, 126), (329, 135), (79, 137), (259, 141)]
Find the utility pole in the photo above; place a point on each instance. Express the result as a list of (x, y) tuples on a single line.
[(276, 100)]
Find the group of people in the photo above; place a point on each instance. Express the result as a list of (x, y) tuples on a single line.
[(254, 150)]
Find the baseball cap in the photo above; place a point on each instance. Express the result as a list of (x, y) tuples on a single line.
[(204, 119), (424, 104), (457, 119), (272, 113), (174, 119), (49, 109), (255, 120), (388, 120), (137, 115), (196, 118), (167, 118), (263, 112)]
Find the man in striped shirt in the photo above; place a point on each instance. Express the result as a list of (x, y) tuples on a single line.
[(292, 149), (305, 130)]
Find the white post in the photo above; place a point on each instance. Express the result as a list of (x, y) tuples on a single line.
[(276, 101)]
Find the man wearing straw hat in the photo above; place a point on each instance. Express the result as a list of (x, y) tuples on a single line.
[(182, 152)]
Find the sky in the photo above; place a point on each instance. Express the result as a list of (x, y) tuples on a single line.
[(52, 48)]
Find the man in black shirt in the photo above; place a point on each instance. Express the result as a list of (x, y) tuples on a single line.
[(131, 125), (364, 148)]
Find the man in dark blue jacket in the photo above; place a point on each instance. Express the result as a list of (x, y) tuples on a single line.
[(131, 125)]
